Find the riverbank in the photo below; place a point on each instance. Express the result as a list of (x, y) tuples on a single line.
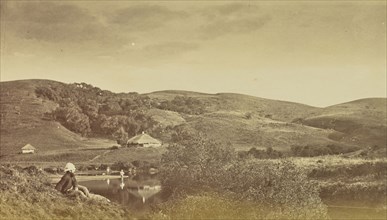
[(80, 178), (28, 194)]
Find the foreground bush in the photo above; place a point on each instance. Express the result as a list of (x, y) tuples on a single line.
[(375, 169), (356, 194), (207, 206), (279, 186)]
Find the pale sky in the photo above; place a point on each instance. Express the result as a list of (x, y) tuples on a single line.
[(318, 53)]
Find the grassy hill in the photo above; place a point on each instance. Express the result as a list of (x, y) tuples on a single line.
[(23, 121), (241, 120), (362, 122), (247, 121)]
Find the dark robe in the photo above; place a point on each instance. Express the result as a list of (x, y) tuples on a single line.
[(67, 182)]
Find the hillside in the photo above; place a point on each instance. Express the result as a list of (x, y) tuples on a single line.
[(23, 121), (362, 121), (41, 112)]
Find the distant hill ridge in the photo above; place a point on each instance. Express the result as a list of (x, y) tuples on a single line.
[(241, 120)]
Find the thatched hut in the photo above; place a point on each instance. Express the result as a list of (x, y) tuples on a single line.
[(143, 140), (28, 149)]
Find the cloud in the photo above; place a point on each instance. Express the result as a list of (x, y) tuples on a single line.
[(47, 13), (144, 17), (52, 22), (236, 18), (236, 26), (232, 9), (168, 49)]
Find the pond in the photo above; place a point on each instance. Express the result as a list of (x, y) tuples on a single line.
[(137, 193)]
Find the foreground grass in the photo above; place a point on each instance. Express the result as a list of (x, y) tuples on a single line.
[(27, 194)]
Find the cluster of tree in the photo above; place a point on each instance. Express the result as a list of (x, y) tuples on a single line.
[(330, 149), (90, 111), (269, 153), (183, 104), (279, 187)]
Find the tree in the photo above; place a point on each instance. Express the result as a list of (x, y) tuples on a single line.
[(121, 136), (280, 188), (195, 162), (73, 119)]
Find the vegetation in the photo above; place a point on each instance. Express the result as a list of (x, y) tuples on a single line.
[(269, 153), (32, 106), (330, 149), (207, 206), (90, 111), (27, 194), (204, 178), (280, 188), (183, 104)]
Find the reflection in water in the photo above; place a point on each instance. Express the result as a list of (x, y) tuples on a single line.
[(145, 192), (136, 192)]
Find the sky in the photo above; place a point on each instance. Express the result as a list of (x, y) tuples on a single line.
[(318, 53)]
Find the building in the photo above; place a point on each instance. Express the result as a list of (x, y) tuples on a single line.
[(28, 149), (143, 140)]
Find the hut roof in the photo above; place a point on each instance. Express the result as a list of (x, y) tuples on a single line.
[(143, 139), (28, 147)]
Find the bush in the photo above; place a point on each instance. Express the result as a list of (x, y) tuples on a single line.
[(194, 163), (375, 169), (355, 194), (330, 149), (115, 147), (261, 154), (207, 206), (120, 165), (202, 165), (184, 104), (279, 185)]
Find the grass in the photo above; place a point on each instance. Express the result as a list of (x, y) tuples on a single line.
[(245, 121), (28, 194), (358, 194), (354, 188)]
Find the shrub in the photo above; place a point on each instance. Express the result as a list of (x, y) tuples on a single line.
[(120, 165), (330, 149), (207, 206), (375, 169), (356, 194), (202, 165), (261, 154), (279, 185)]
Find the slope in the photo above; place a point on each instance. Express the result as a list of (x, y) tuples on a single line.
[(363, 122), (23, 121), (241, 120)]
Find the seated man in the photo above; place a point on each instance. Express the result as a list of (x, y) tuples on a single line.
[(68, 184)]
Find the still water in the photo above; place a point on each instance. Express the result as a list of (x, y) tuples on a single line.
[(138, 193)]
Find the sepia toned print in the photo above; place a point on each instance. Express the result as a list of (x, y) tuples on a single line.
[(193, 110)]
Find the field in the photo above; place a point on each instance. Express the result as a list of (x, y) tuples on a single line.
[(351, 183), (352, 188), (241, 120)]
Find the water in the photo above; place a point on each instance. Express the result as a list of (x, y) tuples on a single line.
[(140, 192), (137, 193)]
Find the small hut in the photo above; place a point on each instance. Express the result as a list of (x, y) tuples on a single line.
[(28, 149), (143, 140)]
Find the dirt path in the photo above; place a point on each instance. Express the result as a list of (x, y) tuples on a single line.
[(98, 156)]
